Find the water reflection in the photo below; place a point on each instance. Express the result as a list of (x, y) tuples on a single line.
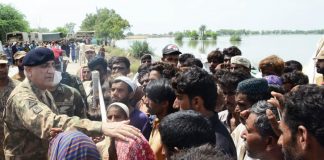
[(207, 44), (193, 44), (236, 43), (179, 42)]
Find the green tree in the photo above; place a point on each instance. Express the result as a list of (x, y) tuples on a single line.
[(138, 49), (194, 35), (110, 25), (63, 30), (178, 36), (11, 20), (202, 30), (211, 34), (106, 23), (187, 33), (88, 24)]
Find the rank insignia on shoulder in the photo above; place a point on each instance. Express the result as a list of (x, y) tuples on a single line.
[(31, 104), (36, 109)]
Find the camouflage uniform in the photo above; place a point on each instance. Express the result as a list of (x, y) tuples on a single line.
[(28, 120), (93, 112), (18, 77), (69, 101), (4, 95), (74, 82)]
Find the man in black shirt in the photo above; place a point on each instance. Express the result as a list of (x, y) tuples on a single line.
[(196, 90)]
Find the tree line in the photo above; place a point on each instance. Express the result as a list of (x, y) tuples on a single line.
[(106, 23), (202, 33)]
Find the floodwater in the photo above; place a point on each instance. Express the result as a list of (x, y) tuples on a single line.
[(289, 47)]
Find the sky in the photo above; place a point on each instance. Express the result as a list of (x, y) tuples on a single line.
[(163, 16)]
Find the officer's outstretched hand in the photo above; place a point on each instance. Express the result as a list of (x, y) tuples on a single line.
[(120, 130)]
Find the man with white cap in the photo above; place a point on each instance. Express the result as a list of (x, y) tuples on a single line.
[(320, 66), (6, 86), (240, 63), (122, 90)]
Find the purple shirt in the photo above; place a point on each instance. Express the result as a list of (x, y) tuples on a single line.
[(139, 120)]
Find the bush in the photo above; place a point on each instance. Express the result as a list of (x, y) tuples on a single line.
[(235, 38), (178, 36), (214, 35), (138, 49)]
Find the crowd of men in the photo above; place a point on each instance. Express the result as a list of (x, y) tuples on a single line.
[(171, 109)]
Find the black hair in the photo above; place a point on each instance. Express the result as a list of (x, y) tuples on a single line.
[(161, 90), (146, 56), (215, 54), (230, 80), (110, 62), (120, 59), (253, 98), (166, 70), (184, 57), (295, 78), (98, 61), (261, 122), (142, 70), (197, 82), (305, 107), (193, 62), (186, 129), (232, 51), (292, 65), (204, 152), (276, 88)]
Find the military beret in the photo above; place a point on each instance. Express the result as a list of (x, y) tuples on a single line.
[(253, 86), (38, 56)]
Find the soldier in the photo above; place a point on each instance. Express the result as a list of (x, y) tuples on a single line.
[(97, 64), (31, 113), (68, 100), (6, 86), (18, 57), (89, 53), (72, 80)]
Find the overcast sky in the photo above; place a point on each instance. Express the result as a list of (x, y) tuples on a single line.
[(162, 16)]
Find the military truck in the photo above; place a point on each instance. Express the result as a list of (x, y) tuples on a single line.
[(17, 37), (33, 36), (81, 36)]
